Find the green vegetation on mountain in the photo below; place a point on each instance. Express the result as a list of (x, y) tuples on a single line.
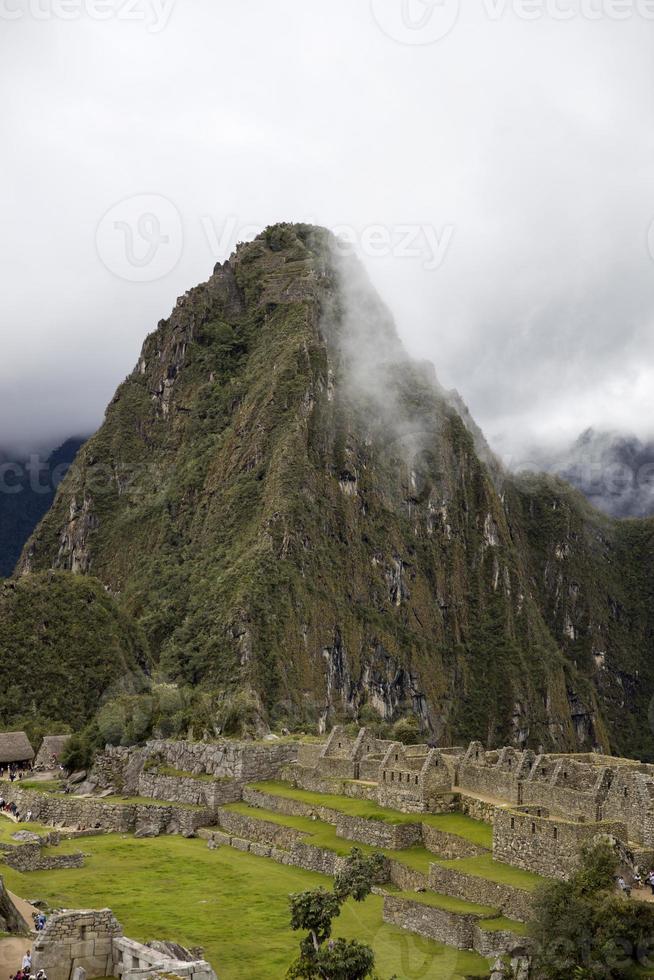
[(64, 644), (298, 516)]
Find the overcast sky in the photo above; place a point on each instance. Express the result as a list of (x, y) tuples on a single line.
[(495, 164)]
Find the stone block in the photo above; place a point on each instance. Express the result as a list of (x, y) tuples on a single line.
[(82, 949)]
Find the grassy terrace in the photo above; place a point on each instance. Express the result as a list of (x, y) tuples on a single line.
[(504, 874), (418, 858), (448, 904), (323, 834), (474, 831), (232, 903), (502, 924)]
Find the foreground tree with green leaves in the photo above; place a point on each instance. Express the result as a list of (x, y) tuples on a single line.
[(584, 929), (321, 957)]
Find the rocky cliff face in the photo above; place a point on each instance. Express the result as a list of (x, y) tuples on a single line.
[(283, 500)]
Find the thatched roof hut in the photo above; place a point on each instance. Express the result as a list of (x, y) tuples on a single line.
[(15, 748), (51, 748)]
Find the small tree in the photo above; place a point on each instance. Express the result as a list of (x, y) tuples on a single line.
[(322, 958)]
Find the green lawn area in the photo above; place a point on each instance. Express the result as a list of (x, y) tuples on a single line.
[(502, 924), (474, 831), (448, 904), (232, 903), (41, 785), (484, 866), (8, 827)]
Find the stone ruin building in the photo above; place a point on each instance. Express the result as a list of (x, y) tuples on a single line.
[(77, 944), (546, 807)]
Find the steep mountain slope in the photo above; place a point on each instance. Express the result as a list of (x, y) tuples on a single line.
[(283, 500), (27, 491)]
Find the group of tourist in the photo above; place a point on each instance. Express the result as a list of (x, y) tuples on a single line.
[(25, 972), (12, 773), (638, 882), (9, 808)]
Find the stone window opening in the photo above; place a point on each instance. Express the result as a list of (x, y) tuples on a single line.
[(512, 823), (397, 758), (384, 775), (392, 777), (416, 780), (533, 828), (556, 833)]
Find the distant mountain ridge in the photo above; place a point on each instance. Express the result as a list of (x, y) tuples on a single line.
[(615, 471), (27, 489)]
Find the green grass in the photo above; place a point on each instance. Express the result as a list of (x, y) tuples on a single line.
[(458, 824), (232, 903), (448, 904), (8, 827), (484, 866), (502, 924), (41, 785)]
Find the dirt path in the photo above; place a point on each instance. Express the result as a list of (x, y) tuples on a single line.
[(13, 949), (11, 955)]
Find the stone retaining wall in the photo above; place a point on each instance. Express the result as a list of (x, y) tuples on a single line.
[(64, 811), (494, 943), (180, 789), (242, 761), (512, 902), (33, 857), (258, 831), (450, 928), (407, 879), (376, 833)]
